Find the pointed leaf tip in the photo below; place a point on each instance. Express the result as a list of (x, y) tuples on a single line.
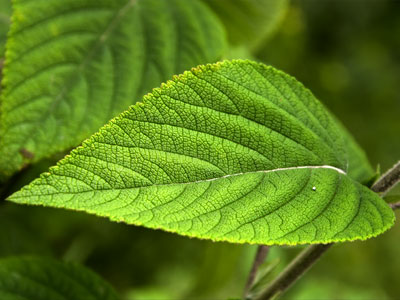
[(234, 151)]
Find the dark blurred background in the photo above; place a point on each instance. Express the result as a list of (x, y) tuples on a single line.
[(347, 53)]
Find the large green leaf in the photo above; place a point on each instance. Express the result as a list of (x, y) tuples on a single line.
[(249, 22), (234, 151), (23, 278), (72, 65)]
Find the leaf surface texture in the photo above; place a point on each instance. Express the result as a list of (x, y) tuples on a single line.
[(234, 151), (73, 65)]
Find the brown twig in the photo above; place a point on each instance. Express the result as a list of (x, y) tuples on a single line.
[(299, 265), (395, 206), (262, 252), (387, 180)]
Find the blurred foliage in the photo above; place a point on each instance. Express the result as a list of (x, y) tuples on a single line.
[(249, 22), (347, 53), (5, 12)]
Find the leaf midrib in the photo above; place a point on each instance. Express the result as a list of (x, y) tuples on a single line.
[(340, 171), (101, 40)]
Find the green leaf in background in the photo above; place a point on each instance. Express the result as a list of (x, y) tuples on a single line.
[(392, 198), (5, 12), (39, 278), (73, 65), (234, 151), (358, 166), (249, 22)]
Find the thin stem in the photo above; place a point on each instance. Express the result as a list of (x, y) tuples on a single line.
[(387, 180), (294, 270), (395, 206), (262, 252), (301, 263)]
